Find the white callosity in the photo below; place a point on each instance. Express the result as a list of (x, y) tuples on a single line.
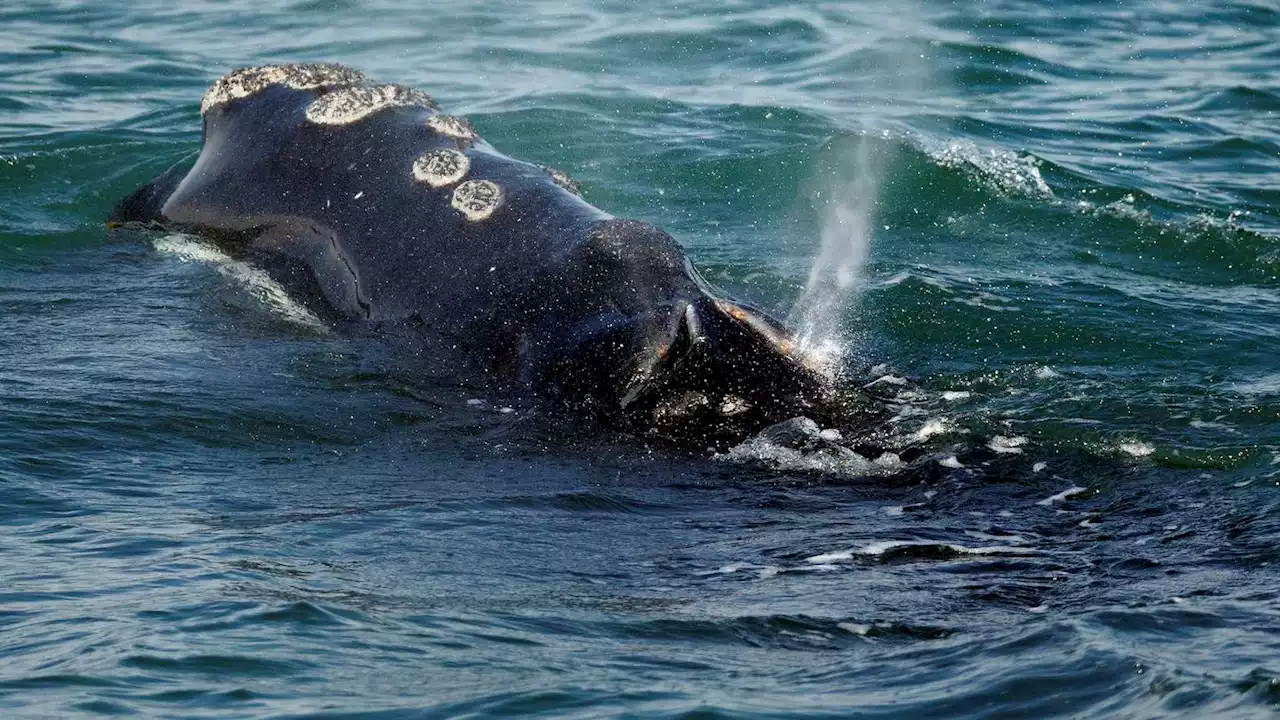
[(250, 81), (349, 104), (563, 180), (477, 199), (454, 127), (441, 168)]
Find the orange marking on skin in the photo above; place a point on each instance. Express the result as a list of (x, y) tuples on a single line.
[(732, 310)]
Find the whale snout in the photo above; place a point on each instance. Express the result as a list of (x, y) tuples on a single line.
[(724, 371)]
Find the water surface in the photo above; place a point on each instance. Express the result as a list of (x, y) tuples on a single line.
[(212, 508)]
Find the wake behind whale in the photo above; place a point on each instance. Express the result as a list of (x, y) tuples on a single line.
[(383, 214)]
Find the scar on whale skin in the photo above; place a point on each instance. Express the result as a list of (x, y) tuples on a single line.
[(247, 82), (441, 168), (351, 104), (477, 199)]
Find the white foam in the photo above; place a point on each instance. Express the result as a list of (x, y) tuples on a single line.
[(855, 628), (1137, 448), (954, 395), (255, 280), (1003, 171), (1125, 208), (827, 558), (729, 569), (931, 428), (832, 460), (979, 535), (1007, 445), (880, 547), (1207, 425), (1059, 497), (1044, 372)]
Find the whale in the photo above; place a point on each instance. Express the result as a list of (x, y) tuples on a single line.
[(388, 216)]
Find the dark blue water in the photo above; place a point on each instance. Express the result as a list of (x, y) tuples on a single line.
[(212, 507)]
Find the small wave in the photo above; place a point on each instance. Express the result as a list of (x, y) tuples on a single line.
[(1006, 172), (932, 181), (778, 631), (1213, 240), (916, 550), (1239, 97), (1061, 496)]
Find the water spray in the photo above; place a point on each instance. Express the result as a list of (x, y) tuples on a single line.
[(848, 203)]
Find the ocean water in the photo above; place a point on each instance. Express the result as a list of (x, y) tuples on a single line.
[(1060, 230)]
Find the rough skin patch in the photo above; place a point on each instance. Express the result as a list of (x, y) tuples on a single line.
[(477, 199), (563, 180), (453, 126), (249, 81), (441, 168), (350, 104)]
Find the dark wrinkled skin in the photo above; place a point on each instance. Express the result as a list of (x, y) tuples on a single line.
[(549, 298)]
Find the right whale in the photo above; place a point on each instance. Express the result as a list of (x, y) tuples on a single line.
[(383, 213)]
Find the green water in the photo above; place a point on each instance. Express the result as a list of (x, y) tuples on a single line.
[(210, 509)]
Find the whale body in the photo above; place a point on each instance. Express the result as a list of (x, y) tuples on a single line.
[(382, 212)]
